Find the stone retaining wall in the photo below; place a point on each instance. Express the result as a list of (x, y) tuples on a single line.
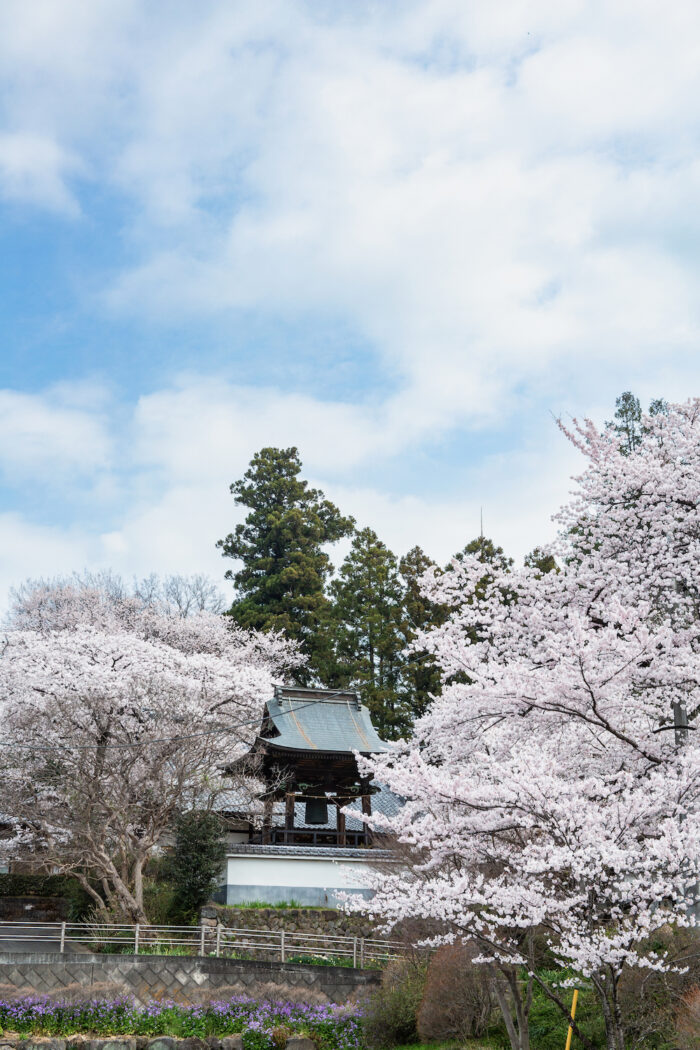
[(185, 979), (292, 920), (81, 1042)]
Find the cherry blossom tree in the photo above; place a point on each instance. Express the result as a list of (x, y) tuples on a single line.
[(117, 714), (555, 784)]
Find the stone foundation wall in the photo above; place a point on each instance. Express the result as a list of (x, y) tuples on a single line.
[(80, 1042), (185, 979), (317, 921)]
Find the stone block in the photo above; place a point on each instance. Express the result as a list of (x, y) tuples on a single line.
[(162, 1042), (300, 1042), (115, 1043), (34, 1043), (232, 1042)]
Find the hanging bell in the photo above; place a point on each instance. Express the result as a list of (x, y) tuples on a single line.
[(316, 811)]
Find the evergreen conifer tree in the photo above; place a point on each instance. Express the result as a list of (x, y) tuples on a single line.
[(280, 585), (369, 632), (422, 675), (628, 421), (196, 864)]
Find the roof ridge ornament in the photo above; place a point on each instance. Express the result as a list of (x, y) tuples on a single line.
[(317, 695)]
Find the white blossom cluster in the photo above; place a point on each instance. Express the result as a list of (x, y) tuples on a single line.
[(115, 714), (553, 785)]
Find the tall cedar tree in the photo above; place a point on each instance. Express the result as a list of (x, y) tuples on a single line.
[(281, 583), (421, 673), (369, 632), (628, 420)]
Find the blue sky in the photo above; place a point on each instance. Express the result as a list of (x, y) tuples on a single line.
[(402, 236)]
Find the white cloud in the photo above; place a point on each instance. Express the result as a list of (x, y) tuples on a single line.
[(483, 198), (500, 200), (51, 435), (483, 192), (32, 550), (34, 170)]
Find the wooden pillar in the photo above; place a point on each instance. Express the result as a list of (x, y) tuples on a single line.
[(341, 823), (267, 819), (288, 815), (367, 811)]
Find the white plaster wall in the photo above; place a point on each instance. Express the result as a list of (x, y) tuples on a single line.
[(323, 873)]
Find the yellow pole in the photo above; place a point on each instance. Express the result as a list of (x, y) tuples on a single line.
[(573, 1015)]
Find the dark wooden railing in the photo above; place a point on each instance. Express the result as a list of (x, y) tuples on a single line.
[(309, 837)]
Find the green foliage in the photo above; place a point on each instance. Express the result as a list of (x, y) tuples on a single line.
[(390, 1015), (160, 900), (628, 420), (280, 585), (422, 675), (196, 862), (548, 1026), (544, 563), (262, 1022), (485, 551), (65, 886), (369, 632), (355, 629)]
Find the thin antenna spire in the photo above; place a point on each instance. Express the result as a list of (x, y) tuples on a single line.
[(481, 523)]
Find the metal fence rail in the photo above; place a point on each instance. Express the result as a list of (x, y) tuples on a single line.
[(219, 941)]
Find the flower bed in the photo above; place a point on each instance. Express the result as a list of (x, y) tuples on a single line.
[(264, 1025)]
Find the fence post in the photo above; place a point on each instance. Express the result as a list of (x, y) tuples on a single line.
[(282, 945), (218, 939), (354, 953), (362, 953), (201, 939), (136, 938), (63, 938)]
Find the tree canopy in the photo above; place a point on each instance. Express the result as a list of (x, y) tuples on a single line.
[(554, 785), (284, 569), (116, 714), (369, 632)]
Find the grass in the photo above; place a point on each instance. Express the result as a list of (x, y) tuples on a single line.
[(193, 949)]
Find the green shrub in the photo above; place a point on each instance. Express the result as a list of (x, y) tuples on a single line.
[(160, 901), (390, 1015), (195, 864), (548, 1026)]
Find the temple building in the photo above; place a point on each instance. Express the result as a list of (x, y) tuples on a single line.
[(305, 848)]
